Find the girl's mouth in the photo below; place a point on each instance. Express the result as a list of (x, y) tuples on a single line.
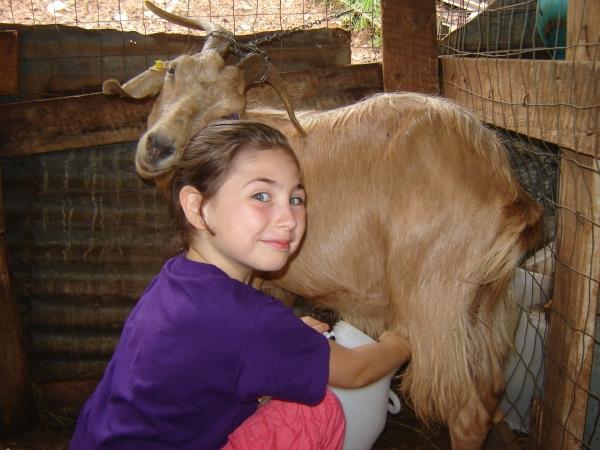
[(278, 245)]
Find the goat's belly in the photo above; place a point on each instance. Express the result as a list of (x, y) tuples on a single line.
[(358, 298)]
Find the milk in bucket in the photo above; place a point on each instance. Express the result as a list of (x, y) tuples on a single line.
[(365, 408)]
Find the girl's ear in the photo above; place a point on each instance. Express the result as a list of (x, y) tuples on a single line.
[(191, 201)]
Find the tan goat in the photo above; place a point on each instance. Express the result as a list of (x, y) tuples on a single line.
[(415, 221)]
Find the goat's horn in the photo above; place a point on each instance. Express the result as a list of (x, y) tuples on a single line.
[(213, 42), (258, 69), (277, 83)]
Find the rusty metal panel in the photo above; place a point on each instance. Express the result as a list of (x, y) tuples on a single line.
[(85, 235)]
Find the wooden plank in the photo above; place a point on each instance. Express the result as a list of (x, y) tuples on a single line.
[(583, 30), (577, 274), (71, 122), (9, 70), (409, 45), (498, 31), (16, 402), (555, 101), (94, 119), (63, 60)]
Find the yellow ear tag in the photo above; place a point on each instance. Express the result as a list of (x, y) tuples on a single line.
[(159, 65)]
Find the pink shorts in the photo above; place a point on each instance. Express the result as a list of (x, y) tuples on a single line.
[(292, 426)]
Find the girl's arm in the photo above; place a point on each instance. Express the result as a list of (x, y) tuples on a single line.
[(351, 368)]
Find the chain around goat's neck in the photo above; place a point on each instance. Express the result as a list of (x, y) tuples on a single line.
[(284, 33), (240, 48)]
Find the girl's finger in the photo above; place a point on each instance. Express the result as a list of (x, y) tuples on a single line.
[(314, 323)]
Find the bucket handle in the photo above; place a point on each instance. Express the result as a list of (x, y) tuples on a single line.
[(394, 406)]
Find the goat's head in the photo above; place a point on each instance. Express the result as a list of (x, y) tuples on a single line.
[(193, 90)]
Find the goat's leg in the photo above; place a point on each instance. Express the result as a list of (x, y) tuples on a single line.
[(469, 429), (470, 426)]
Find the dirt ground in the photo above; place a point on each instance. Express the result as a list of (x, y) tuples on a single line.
[(239, 16), (402, 432)]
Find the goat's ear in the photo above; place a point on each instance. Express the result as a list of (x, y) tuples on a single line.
[(146, 84)]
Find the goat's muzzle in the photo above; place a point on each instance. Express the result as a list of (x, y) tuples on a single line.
[(159, 147)]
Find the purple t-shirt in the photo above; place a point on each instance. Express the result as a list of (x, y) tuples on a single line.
[(195, 354)]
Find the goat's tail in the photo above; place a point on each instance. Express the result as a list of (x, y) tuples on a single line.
[(466, 347)]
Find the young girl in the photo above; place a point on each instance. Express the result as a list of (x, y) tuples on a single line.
[(202, 347)]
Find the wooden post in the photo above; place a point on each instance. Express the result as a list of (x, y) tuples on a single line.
[(9, 69), (577, 273), (409, 42), (16, 402)]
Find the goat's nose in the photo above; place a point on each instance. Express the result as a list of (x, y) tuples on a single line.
[(159, 147)]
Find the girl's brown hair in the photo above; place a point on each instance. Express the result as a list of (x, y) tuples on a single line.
[(209, 157)]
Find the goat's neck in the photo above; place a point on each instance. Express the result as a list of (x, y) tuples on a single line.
[(302, 145), (276, 118)]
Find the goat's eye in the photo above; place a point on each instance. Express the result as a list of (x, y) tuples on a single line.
[(171, 70)]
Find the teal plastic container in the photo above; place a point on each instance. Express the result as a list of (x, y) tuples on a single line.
[(551, 26)]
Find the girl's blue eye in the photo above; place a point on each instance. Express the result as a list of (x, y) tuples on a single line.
[(296, 201), (262, 197)]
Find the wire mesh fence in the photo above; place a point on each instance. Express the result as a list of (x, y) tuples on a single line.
[(239, 16), (52, 47), (52, 19), (530, 68)]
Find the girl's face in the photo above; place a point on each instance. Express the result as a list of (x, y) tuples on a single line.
[(257, 216)]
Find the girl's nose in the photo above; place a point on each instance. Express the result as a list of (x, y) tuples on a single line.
[(286, 217)]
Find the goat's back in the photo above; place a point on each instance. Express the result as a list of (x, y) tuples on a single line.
[(400, 187)]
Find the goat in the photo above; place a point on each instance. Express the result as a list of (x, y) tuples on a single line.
[(415, 221)]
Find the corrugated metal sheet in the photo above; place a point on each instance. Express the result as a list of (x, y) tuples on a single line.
[(85, 236), (61, 60)]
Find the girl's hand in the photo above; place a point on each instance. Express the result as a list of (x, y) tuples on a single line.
[(319, 326), (355, 367)]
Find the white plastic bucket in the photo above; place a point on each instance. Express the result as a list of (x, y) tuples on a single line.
[(365, 408), (524, 371)]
